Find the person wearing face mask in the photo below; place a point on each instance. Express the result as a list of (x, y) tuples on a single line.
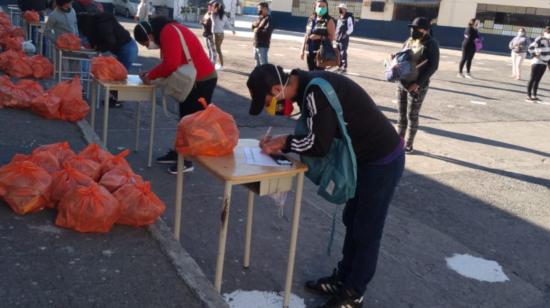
[(262, 28), (540, 49), (320, 26), (378, 153), (162, 33), (344, 28), (518, 45), (468, 48), (411, 94)]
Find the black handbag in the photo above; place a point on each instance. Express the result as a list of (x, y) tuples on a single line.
[(327, 56)]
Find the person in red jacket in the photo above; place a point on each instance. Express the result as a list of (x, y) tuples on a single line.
[(161, 33)]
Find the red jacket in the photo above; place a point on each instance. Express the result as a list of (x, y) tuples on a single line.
[(172, 54)]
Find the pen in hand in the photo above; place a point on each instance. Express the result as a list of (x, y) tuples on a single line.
[(266, 137)]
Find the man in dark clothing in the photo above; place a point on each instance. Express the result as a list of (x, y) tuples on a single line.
[(262, 28), (410, 95), (379, 156), (344, 28)]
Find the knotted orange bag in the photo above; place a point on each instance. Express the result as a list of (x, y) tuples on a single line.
[(24, 186), (117, 161), (68, 41), (89, 167), (140, 205), (88, 209), (118, 177), (41, 66), (95, 152), (47, 161), (65, 180), (31, 16), (210, 132), (108, 69), (73, 108), (61, 150), (47, 106)]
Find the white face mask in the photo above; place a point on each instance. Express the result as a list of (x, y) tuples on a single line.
[(152, 45), (547, 35)]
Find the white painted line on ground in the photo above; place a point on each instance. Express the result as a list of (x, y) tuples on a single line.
[(255, 299), (478, 103), (394, 101), (542, 103), (476, 268), (352, 74), (278, 55), (243, 45)]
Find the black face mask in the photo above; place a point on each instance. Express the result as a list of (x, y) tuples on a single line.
[(341, 11), (416, 34)]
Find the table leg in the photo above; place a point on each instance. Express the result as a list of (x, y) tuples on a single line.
[(105, 116), (248, 236), (94, 102), (293, 238), (153, 118), (138, 120), (164, 104), (223, 236), (179, 198), (59, 64)]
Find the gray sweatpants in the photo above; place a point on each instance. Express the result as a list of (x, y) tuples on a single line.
[(409, 110)]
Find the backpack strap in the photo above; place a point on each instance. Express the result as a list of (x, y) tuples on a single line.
[(184, 45)]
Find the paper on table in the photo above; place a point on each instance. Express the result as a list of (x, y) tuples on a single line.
[(254, 156)]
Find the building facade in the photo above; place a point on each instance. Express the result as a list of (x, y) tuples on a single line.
[(388, 19)]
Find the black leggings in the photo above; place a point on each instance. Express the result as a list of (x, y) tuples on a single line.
[(312, 64), (537, 71), (201, 89), (468, 53)]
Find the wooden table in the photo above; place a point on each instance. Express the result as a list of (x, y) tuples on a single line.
[(260, 180), (130, 90)]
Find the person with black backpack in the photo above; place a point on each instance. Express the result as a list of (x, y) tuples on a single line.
[(424, 52), (336, 111), (344, 28)]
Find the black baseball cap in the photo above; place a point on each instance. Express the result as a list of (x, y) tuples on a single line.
[(420, 22), (259, 83)]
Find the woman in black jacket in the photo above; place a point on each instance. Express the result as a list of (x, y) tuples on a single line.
[(320, 26), (468, 48)]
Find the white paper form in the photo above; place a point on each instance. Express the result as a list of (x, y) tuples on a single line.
[(254, 156)]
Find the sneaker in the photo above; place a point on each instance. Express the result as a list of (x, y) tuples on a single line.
[(187, 167), (535, 98), (409, 149), (469, 76), (170, 158), (460, 75), (343, 71), (530, 100), (345, 299), (330, 285), (219, 67)]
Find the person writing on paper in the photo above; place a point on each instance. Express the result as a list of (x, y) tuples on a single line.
[(162, 33), (379, 156)]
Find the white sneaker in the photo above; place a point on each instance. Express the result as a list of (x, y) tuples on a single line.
[(460, 75), (468, 76), (219, 67)]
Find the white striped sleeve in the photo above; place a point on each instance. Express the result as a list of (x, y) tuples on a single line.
[(306, 143)]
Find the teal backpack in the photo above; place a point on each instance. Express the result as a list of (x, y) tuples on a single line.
[(335, 173)]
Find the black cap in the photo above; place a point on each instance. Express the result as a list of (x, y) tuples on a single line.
[(259, 83), (420, 22)]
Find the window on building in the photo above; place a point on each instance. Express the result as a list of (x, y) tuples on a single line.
[(409, 11), (506, 20)]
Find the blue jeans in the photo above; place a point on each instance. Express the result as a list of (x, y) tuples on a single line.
[(260, 54), (364, 217), (127, 54)]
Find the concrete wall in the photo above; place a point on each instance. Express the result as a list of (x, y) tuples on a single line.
[(386, 15)]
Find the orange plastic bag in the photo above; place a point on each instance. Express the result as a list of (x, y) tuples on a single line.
[(73, 108), (22, 94), (24, 186), (19, 68), (65, 180), (7, 58), (6, 89), (62, 151), (210, 132), (41, 66), (47, 106), (5, 20), (87, 166), (47, 161), (88, 209), (108, 69), (140, 205), (68, 41), (12, 42), (117, 161), (31, 16), (118, 177), (95, 152)]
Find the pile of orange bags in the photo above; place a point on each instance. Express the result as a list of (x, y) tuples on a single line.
[(108, 69), (31, 16), (10, 37), (18, 95), (91, 191), (68, 41), (210, 132), (16, 64)]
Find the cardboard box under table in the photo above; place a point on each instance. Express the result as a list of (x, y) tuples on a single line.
[(234, 170), (130, 90)]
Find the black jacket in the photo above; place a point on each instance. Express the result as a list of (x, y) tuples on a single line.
[(470, 35), (103, 31), (264, 29), (36, 5), (372, 135)]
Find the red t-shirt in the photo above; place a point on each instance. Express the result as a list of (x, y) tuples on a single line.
[(172, 54)]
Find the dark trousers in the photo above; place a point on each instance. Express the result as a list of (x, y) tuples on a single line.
[(201, 89), (343, 45), (537, 71), (311, 64), (409, 110), (364, 217), (468, 53)]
